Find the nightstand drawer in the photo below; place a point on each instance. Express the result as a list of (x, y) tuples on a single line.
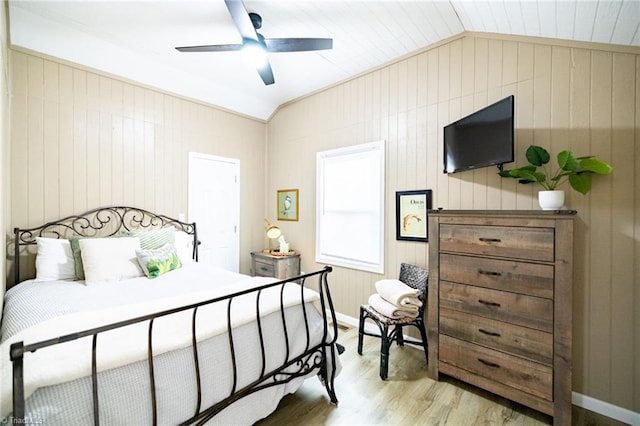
[(282, 267), (262, 269), (533, 279), (532, 344), (509, 370), (503, 241), (528, 311)]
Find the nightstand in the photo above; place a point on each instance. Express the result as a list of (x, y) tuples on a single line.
[(268, 265)]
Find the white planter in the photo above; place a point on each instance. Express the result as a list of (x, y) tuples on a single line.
[(551, 200)]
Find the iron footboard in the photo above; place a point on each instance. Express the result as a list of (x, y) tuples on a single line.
[(320, 356)]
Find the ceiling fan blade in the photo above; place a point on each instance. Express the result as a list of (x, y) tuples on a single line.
[(211, 48), (241, 18), (248, 24), (297, 44), (266, 74)]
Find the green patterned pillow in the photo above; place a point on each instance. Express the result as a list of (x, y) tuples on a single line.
[(152, 238), (156, 262)]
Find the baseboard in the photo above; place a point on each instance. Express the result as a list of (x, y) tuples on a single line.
[(353, 322), (588, 403), (606, 409), (350, 321)]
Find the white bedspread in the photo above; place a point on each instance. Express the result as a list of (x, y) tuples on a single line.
[(68, 361)]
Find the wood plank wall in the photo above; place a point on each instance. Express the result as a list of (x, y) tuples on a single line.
[(82, 140), (4, 141), (580, 96)]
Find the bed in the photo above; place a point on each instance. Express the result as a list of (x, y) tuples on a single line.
[(177, 342)]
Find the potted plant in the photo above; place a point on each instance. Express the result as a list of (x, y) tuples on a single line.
[(576, 170)]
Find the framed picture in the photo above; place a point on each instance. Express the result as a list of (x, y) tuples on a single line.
[(287, 204), (411, 215)]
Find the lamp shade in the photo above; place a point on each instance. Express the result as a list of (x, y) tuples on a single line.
[(273, 232)]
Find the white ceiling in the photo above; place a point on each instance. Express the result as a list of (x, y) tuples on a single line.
[(136, 39)]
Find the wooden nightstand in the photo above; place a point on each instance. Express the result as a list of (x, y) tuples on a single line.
[(282, 267)]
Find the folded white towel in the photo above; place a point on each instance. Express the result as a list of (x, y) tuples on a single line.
[(398, 293), (389, 310)]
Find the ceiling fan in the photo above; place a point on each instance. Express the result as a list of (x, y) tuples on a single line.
[(248, 24)]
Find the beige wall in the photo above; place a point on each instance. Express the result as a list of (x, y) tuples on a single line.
[(575, 96), (82, 140), (4, 142)]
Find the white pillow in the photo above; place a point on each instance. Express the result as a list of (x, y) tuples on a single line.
[(54, 260), (109, 259), (184, 246)]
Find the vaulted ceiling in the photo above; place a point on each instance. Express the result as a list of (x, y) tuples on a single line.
[(136, 40)]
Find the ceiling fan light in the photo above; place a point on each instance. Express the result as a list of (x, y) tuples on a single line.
[(254, 53)]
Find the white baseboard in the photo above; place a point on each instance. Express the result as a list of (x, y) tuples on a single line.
[(583, 401), (606, 409), (353, 322), (347, 320)]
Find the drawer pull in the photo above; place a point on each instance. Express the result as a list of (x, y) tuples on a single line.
[(490, 240), (488, 364), (262, 268), (489, 333), (487, 303), (491, 273)]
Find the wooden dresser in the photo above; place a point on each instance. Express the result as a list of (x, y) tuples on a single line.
[(500, 294), (268, 265)]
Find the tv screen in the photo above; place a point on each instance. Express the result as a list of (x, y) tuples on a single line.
[(481, 139)]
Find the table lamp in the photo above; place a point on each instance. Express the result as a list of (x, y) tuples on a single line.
[(274, 232)]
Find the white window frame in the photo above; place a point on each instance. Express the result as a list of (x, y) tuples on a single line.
[(329, 252)]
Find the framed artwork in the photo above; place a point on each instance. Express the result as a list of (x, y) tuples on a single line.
[(411, 215), (287, 204)]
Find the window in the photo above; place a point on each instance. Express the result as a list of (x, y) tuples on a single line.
[(350, 207)]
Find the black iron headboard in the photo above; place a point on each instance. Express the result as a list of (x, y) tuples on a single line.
[(100, 222)]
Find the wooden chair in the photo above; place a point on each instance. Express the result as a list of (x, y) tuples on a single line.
[(391, 328)]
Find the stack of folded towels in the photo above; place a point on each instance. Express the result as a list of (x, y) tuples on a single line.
[(395, 299)]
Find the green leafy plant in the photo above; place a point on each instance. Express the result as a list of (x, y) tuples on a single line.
[(576, 170)]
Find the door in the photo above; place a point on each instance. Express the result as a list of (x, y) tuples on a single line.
[(214, 204)]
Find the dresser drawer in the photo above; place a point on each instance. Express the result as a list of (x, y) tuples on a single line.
[(522, 341), (264, 269), (528, 311), (503, 241), (534, 279), (509, 370)]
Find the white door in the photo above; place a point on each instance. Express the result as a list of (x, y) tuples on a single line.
[(214, 205)]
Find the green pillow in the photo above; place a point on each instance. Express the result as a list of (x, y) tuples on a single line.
[(156, 262), (151, 238), (77, 256)]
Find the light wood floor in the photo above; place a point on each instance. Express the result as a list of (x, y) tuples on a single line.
[(407, 397)]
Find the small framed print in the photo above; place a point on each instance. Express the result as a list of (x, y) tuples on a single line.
[(288, 204), (411, 215)]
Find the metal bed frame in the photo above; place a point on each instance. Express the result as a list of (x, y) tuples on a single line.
[(108, 221)]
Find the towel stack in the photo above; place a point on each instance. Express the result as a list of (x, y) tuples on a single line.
[(395, 299)]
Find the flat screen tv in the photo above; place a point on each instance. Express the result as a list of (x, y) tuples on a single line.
[(481, 139)]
